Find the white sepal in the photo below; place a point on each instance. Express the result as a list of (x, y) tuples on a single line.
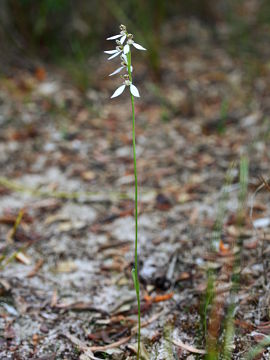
[(125, 58), (114, 37), (126, 49), (117, 71), (123, 38), (138, 46), (118, 91), (110, 51), (134, 91), (114, 55)]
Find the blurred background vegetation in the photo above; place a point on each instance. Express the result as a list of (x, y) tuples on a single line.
[(68, 32)]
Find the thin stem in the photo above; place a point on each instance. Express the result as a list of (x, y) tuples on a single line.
[(135, 270)]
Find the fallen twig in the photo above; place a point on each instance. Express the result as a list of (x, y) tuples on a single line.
[(126, 339), (83, 347), (112, 345), (187, 347), (147, 322)]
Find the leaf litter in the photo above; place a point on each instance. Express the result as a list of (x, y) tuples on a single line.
[(65, 283)]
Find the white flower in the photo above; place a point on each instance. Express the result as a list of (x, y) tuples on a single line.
[(124, 58), (117, 51), (131, 42), (123, 38), (122, 35), (120, 69), (124, 65), (114, 37), (126, 49), (123, 42), (134, 91), (118, 91), (117, 71)]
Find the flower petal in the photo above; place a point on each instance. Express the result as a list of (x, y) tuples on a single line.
[(110, 51), (117, 71), (131, 68), (134, 91), (114, 37), (138, 46), (126, 49), (123, 38), (118, 91), (114, 55), (124, 58)]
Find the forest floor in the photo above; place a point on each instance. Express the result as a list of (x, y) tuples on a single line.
[(66, 208)]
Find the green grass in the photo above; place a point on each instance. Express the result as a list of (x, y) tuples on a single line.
[(221, 347)]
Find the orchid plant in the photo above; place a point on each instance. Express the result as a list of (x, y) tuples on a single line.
[(123, 50), (124, 41)]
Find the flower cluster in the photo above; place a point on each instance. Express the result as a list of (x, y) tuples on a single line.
[(124, 41)]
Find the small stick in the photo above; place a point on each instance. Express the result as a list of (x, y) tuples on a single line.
[(187, 347), (83, 347)]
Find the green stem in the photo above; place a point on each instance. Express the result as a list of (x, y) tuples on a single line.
[(135, 271)]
